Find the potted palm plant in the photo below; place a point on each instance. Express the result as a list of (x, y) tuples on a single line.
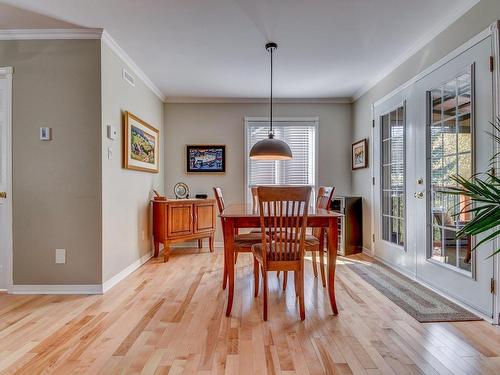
[(483, 193)]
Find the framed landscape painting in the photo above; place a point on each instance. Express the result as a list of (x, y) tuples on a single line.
[(206, 159), (360, 154), (141, 143)]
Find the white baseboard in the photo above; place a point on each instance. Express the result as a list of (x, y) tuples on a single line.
[(55, 289), (108, 284), (368, 252)]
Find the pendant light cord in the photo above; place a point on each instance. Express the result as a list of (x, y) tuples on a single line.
[(271, 109)]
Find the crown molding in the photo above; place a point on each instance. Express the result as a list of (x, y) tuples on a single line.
[(37, 34), (219, 100), (115, 47), (103, 35), (417, 46)]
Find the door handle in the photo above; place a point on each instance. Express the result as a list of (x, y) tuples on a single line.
[(418, 194), (3, 194)]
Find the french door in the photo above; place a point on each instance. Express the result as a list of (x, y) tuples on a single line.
[(423, 135), (454, 107), (5, 176)]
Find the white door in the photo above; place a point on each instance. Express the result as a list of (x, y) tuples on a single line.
[(453, 106), (5, 178)]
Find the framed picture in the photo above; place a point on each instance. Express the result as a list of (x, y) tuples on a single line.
[(360, 154), (206, 158), (141, 144)]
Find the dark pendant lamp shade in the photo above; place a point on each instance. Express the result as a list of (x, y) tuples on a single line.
[(270, 148)]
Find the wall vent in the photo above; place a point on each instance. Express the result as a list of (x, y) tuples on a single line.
[(128, 77)]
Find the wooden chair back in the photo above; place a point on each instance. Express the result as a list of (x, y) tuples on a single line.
[(283, 211), (219, 199), (255, 197), (323, 200)]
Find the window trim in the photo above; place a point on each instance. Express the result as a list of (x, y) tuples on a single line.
[(276, 120)]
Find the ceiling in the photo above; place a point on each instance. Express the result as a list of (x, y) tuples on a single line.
[(215, 49)]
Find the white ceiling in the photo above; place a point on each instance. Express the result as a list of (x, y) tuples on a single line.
[(215, 48)]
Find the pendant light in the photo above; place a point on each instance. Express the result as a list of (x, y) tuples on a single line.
[(271, 148)]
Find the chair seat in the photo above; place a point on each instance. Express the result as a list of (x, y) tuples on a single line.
[(286, 255), (247, 239), (310, 241)]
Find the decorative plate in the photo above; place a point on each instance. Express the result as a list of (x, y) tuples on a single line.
[(181, 190)]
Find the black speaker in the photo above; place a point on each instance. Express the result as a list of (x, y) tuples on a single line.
[(201, 196)]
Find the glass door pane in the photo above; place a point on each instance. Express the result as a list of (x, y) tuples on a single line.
[(450, 143), (393, 176)]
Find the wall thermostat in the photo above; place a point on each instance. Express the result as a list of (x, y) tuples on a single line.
[(45, 134), (112, 132)]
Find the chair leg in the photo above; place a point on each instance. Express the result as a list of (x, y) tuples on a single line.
[(301, 294), (256, 277), (315, 267), (278, 274), (264, 276), (285, 279), (235, 257), (322, 260), (224, 282)]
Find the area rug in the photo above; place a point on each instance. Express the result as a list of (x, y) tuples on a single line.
[(420, 302)]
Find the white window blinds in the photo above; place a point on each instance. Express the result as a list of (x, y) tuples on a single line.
[(300, 136)]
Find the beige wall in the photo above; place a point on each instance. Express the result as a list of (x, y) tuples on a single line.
[(224, 124), (473, 22), (56, 184), (125, 193)]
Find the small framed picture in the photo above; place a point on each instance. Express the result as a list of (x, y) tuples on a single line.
[(360, 154), (205, 158), (141, 144)]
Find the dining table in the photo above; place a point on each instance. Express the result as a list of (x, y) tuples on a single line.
[(238, 216)]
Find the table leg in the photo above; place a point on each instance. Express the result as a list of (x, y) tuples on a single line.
[(229, 255), (333, 239)]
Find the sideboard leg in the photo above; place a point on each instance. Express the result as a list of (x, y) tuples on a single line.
[(200, 243), (211, 243), (157, 248), (166, 251)]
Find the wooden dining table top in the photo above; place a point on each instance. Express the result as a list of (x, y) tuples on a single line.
[(248, 210)]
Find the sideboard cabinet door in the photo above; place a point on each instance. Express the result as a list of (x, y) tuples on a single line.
[(204, 217), (180, 219)]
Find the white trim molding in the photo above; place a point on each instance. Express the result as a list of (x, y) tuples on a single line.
[(115, 47), (108, 284), (6, 73), (217, 100), (55, 289), (495, 48), (39, 34), (415, 47), (75, 34)]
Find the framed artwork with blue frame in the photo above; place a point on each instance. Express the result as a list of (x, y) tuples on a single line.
[(206, 158)]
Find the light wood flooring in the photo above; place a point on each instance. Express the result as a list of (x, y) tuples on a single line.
[(169, 318)]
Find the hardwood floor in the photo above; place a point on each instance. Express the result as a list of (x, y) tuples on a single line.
[(169, 318)]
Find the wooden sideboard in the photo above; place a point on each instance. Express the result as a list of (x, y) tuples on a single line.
[(182, 220)]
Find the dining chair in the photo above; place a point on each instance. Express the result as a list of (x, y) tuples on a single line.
[(242, 242), (315, 242), (283, 211)]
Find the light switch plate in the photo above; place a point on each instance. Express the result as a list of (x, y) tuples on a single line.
[(60, 256), (112, 132), (45, 134)]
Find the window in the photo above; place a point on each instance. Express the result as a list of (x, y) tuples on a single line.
[(393, 176), (300, 134), (449, 135)]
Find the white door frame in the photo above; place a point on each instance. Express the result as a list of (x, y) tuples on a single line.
[(6, 73), (494, 32)]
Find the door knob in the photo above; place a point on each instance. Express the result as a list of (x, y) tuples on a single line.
[(418, 194), (3, 194)]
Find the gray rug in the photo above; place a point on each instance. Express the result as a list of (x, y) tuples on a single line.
[(420, 302)]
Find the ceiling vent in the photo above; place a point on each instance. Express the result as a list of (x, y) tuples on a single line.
[(128, 77)]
